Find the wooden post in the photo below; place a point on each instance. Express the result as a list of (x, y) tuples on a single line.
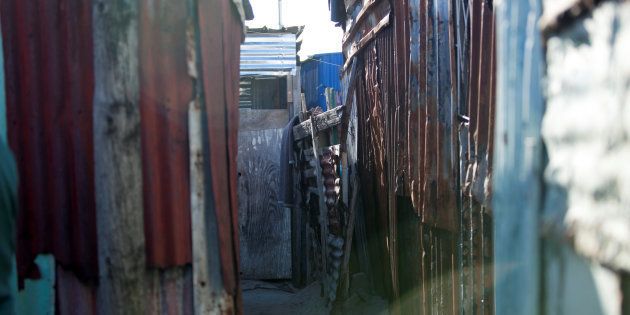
[(331, 101), (202, 290), (303, 116), (297, 94), (323, 210), (345, 273), (118, 163)]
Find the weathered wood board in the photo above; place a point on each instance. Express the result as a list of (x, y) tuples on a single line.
[(323, 121), (265, 226)]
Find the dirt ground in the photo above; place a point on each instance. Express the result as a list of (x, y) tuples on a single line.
[(270, 298)]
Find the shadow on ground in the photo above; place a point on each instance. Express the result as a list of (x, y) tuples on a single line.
[(271, 298)]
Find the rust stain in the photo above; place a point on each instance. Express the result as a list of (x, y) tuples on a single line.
[(419, 79), (165, 92), (220, 26), (50, 85)]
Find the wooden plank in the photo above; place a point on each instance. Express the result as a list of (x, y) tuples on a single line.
[(328, 119), (204, 288), (323, 122), (331, 100), (303, 130), (257, 119), (118, 161), (350, 109), (297, 95), (299, 248), (323, 211), (265, 226), (303, 112), (345, 274)]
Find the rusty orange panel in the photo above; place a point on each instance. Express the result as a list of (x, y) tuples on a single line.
[(220, 38), (49, 88), (166, 89)]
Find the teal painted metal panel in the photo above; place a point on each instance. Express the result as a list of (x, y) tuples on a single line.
[(518, 158), (3, 107), (38, 296)]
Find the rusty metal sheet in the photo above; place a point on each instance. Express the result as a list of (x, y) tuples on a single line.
[(431, 136), (72, 295), (166, 89), (170, 292), (372, 86), (410, 150), (49, 79), (220, 27), (367, 19)]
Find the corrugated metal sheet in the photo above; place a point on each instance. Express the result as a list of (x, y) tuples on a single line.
[(50, 83), (476, 139), (268, 54), (218, 24), (415, 106), (318, 73), (49, 80), (166, 89), (72, 295), (246, 98), (518, 159)]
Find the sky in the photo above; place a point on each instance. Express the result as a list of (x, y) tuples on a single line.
[(320, 34)]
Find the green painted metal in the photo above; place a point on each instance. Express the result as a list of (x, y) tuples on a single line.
[(8, 211), (6, 306), (518, 158), (3, 108), (38, 296)]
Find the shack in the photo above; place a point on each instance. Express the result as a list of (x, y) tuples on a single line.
[(321, 84), (398, 176), (123, 119), (269, 94)]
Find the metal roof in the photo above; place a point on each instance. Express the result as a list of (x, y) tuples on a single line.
[(268, 54)]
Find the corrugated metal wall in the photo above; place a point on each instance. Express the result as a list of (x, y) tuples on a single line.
[(476, 138), (265, 54), (218, 24), (518, 158), (559, 185), (50, 77), (425, 95), (166, 89), (318, 73), (50, 83), (268, 54)]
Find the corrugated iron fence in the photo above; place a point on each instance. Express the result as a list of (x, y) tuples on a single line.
[(317, 74), (425, 98), (98, 100)]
